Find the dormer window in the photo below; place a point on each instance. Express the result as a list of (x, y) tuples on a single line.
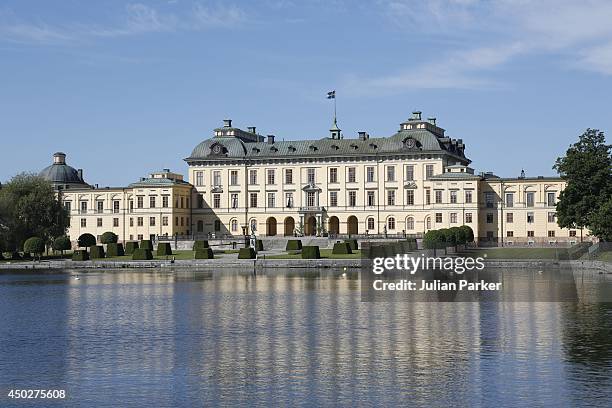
[(354, 146), (373, 145), (312, 148), (291, 148), (335, 147), (274, 149), (255, 150)]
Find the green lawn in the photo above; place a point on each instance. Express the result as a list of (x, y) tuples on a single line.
[(325, 253), (515, 253)]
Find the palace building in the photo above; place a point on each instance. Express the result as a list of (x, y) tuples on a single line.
[(407, 183)]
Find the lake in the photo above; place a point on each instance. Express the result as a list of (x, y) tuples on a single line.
[(157, 338)]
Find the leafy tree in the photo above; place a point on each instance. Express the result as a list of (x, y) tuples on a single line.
[(469, 233), (29, 208), (62, 244), (34, 245), (587, 168), (433, 239), (86, 240), (601, 221), (460, 235), (109, 238)]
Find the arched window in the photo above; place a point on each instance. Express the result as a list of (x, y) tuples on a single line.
[(234, 225), (409, 224), (253, 224), (370, 223), (428, 223), (390, 223)]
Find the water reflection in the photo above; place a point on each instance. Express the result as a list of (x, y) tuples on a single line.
[(189, 339)]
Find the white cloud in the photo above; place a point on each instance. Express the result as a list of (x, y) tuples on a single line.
[(220, 16)]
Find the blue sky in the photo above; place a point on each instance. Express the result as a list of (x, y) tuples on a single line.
[(125, 88)]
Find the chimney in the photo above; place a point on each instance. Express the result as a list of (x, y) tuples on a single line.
[(80, 172), (270, 139), (432, 120), (227, 123), (59, 158), (363, 136), (416, 115), (252, 129)]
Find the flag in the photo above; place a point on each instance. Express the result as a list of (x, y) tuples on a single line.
[(331, 95)]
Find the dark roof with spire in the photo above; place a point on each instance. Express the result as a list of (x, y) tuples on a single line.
[(61, 173)]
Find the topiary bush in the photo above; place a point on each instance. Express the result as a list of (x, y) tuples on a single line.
[(204, 253), (34, 245), (293, 245), (164, 249), (311, 252), (146, 244), (130, 247), (200, 245), (114, 249), (96, 252), (259, 245), (342, 248), (86, 240), (246, 253), (142, 254), (62, 244), (80, 255), (469, 233), (412, 243), (352, 243), (109, 238)]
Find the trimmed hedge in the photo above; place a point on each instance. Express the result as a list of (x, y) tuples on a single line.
[(142, 254), (115, 249), (311, 252), (86, 240), (200, 245), (146, 244), (342, 248), (164, 249), (259, 245), (246, 253), (352, 243), (34, 245), (130, 247), (293, 245), (96, 252), (204, 253), (109, 237), (62, 244), (15, 256), (80, 255)]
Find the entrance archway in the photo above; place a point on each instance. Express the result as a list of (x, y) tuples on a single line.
[(334, 225), (289, 226), (310, 228), (352, 225), (271, 227)]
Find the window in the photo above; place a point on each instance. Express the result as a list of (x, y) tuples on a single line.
[(271, 176), (152, 202), (509, 218), (409, 197), (390, 173), (410, 224), (370, 174), (427, 196), (199, 178), (252, 177), (333, 198), (139, 221), (468, 197), (509, 199), (200, 200), (271, 200), (371, 199), (468, 218), (391, 223), (429, 169), (530, 234), (391, 197), (453, 218), (99, 222), (509, 234), (453, 196), (370, 223), (165, 201), (99, 207), (530, 218), (409, 173), (288, 176), (216, 178), (165, 221), (140, 202), (115, 222), (253, 200), (572, 233), (352, 198), (83, 222), (310, 199), (490, 235), (352, 175), (552, 217), (216, 200), (116, 207), (217, 225), (182, 221), (234, 199), (140, 237), (310, 175), (530, 199), (234, 225), (234, 177), (550, 199), (428, 223), (152, 221), (333, 175), (489, 199), (438, 196), (289, 200), (551, 234), (489, 218), (131, 222), (182, 202), (438, 217), (176, 223)]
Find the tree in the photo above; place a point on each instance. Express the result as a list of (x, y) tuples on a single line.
[(62, 244), (86, 240), (34, 245), (109, 238), (30, 208), (460, 235), (469, 233), (601, 221), (433, 239), (587, 169)]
